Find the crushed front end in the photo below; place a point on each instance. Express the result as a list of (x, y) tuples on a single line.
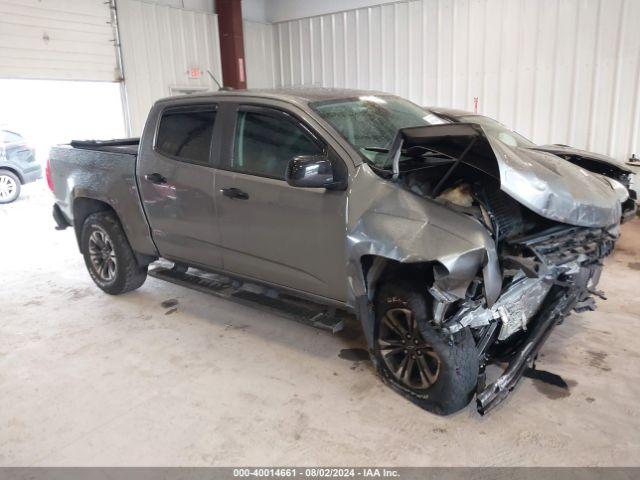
[(546, 276), (550, 239)]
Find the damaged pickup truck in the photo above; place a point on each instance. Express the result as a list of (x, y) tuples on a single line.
[(453, 249)]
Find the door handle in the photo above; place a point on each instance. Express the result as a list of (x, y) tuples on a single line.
[(233, 192), (156, 178)]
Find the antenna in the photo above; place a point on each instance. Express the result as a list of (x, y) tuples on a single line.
[(214, 79)]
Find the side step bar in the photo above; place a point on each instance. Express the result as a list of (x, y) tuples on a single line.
[(254, 296)]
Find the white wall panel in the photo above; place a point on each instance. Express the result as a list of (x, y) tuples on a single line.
[(198, 5), (160, 44), (258, 47), (57, 40), (281, 10), (558, 71)]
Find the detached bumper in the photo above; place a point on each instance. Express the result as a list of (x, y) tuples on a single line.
[(580, 251), (495, 393)]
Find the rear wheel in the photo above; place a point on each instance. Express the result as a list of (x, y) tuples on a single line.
[(108, 255), (9, 186), (438, 374)]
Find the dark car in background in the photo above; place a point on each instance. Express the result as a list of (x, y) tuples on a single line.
[(594, 162), (18, 165)]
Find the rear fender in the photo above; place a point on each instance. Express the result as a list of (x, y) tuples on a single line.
[(85, 206)]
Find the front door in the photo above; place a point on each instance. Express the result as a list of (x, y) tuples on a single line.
[(294, 237), (176, 179)]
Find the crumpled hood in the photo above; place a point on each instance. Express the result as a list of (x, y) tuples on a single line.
[(561, 150), (554, 189)]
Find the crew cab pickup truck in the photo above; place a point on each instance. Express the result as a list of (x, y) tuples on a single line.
[(453, 249)]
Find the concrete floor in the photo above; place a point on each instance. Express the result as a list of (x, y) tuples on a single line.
[(90, 379)]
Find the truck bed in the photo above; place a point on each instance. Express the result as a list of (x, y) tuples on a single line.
[(121, 145), (102, 171)]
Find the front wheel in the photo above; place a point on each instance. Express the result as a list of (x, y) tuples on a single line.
[(108, 255), (438, 374), (9, 186)]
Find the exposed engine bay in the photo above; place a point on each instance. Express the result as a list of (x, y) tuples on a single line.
[(548, 268), (547, 271)]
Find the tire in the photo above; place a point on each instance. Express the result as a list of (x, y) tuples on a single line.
[(108, 256), (440, 374), (9, 186)]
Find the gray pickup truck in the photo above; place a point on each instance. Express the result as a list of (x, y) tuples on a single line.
[(454, 250)]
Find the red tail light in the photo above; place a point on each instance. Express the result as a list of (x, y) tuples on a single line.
[(48, 175)]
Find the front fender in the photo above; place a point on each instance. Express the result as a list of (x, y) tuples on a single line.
[(395, 224)]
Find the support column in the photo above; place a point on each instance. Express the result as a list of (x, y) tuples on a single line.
[(231, 43)]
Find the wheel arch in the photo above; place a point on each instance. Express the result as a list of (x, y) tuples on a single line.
[(82, 208), (376, 269), (85, 206), (15, 171)]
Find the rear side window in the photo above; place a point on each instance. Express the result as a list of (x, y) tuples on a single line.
[(265, 143), (185, 133)]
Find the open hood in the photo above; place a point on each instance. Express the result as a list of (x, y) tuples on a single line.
[(559, 191)]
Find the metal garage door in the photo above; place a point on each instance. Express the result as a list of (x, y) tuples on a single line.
[(57, 40)]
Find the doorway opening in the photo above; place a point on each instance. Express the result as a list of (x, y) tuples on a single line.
[(51, 112)]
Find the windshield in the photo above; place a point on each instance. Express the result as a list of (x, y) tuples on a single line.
[(498, 131), (370, 123)]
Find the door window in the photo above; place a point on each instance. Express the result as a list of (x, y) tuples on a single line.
[(265, 143), (185, 133)]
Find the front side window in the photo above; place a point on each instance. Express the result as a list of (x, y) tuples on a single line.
[(265, 143), (185, 133)]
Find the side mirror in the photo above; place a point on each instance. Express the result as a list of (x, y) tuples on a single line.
[(311, 171)]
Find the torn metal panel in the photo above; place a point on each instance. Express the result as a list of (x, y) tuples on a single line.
[(558, 304), (398, 225), (514, 309)]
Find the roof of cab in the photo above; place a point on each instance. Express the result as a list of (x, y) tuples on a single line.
[(296, 94)]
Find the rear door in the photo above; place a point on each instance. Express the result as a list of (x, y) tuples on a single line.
[(176, 179), (294, 237)]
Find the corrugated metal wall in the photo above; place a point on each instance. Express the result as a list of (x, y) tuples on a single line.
[(259, 51), (57, 40), (160, 44), (558, 71)]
